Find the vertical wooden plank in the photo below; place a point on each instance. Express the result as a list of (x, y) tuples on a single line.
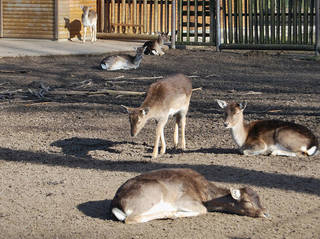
[(224, 10), (196, 20), (161, 17), (250, 21), (311, 40), (240, 2), (273, 21), (101, 15), (305, 21), (203, 21), (283, 21), (295, 21), (266, 21), (214, 21), (188, 21), (261, 21), (290, 17), (299, 9), (168, 15), (151, 22), (56, 19), (256, 23), (145, 16), (218, 27), (246, 21), (230, 21), (278, 21), (235, 20), (134, 3), (180, 6), (123, 14), (317, 23), (156, 14), (173, 25)]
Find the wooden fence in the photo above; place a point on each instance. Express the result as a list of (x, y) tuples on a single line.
[(134, 17), (260, 24)]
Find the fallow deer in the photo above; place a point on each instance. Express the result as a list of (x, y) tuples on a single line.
[(267, 136), (89, 19), (122, 62), (167, 97), (173, 193), (154, 47)]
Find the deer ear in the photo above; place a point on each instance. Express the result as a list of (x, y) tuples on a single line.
[(243, 105), (126, 108), (235, 194), (222, 103)]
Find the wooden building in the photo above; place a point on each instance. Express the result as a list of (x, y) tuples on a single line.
[(42, 19)]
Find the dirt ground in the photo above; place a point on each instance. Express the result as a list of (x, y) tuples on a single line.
[(64, 153)]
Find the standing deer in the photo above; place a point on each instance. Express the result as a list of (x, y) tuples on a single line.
[(167, 97), (122, 62), (89, 19), (155, 47), (172, 193), (267, 136)]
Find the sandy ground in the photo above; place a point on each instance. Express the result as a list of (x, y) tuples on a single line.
[(63, 156)]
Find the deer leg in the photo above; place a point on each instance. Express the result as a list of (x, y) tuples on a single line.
[(132, 219), (183, 129), (159, 135), (254, 148), (84, 34), (176, 130), (187, 207)]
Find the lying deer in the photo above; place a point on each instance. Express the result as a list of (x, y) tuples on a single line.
[(89, 19), (122, 62), (155, 47), (167, 97), (173, 193), (267, 136)]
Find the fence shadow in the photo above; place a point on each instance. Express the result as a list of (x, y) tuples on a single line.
[(217, 173)]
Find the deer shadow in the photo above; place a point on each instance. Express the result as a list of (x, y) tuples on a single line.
[(80, 147), (73, 27), (96, 209)]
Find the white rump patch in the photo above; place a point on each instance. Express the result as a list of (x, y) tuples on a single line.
[(103, 66), (312, 150), (120, 215), (173, 111)]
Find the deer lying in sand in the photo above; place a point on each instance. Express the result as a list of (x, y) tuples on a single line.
[(167, 97), (122, 62), (89, 19), (155, 47), (173, 193), (267, 136)]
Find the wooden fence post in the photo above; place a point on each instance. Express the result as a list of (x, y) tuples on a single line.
[(317, 27), (218, 35), (173, 25)]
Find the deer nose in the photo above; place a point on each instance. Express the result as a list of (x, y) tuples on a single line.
[(226, 124)]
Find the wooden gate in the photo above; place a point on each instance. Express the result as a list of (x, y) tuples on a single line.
[(133, 18), (250, 24)]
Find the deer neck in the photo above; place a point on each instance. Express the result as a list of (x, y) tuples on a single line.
[(239, 132), (137, 59), (160, 40), (218, 198)]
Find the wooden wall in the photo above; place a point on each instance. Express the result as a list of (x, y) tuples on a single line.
[(28, 18), (42, 19)]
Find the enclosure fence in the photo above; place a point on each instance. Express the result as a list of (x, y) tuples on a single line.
[(247, 24), (258, 24)]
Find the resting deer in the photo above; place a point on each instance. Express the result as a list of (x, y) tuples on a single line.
[(173, 193), (155, 47), (89, 19), (167, 97), (122, 62), (267, 136)]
